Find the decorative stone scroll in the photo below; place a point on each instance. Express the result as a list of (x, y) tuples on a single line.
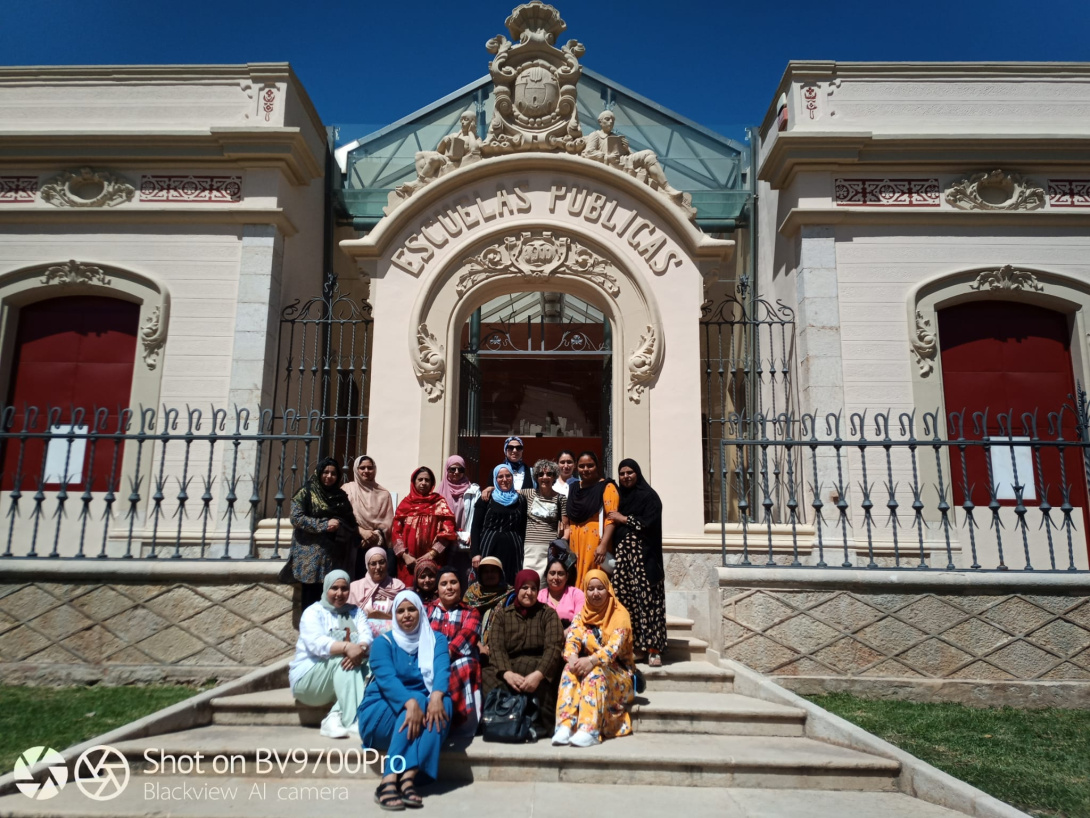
[(537, 258), (996, 190), (73, 272), (925, 345), (87, 188), (430, 363), (153, 336), (1006, 278), (643, 364)]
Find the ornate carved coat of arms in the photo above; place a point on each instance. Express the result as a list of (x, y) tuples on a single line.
[(535, 85)]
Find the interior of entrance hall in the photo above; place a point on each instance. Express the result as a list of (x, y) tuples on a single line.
[(537, 365)]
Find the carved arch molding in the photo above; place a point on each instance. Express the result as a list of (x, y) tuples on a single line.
[(76, 277), (537, 257)]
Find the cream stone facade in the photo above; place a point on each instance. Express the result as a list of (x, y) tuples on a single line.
[(342, 290)]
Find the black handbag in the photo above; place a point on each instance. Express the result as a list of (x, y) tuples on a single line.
[(508, 717)]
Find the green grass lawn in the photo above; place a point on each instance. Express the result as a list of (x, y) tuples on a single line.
[(1037, 760), (60, 717)]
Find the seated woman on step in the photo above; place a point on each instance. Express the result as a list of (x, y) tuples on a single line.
[(374, 594), (330, 660), (485, 594), (558, 594), (426, 579), (406, 710), (596, 685), (461, 625), (524, 645)]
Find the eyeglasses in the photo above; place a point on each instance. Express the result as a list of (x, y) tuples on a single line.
[(514, 448), (545, 474), (455, 469)]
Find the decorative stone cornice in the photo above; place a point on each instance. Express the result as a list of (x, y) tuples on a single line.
[(996, 190), (430, 363), (925, 345), (87, 188), (1006, 278), (74, 272), (536, 259), (643, 364)]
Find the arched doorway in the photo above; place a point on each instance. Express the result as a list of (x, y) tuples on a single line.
[(538, 365)]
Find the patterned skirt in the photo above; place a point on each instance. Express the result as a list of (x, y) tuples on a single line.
[(645, 601)]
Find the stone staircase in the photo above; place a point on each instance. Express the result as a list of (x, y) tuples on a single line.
[(691, 730)]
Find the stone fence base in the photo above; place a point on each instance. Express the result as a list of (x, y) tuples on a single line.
[(982, 639), (119, 622)]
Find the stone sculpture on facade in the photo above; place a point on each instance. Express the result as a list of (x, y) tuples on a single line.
[(925, 346), (612, 149), (1006, 278), (75, 272), (86, 188), (535, 110), (535, 85), (537, 258), (996, 190), (455, 150), (153, 336)]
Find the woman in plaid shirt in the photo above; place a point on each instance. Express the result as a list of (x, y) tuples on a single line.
[(461, 625)]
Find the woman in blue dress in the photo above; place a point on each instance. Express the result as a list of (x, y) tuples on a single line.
[(406, 709)]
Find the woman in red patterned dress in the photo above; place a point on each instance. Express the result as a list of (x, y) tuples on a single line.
[(423, 526), (461, 625)]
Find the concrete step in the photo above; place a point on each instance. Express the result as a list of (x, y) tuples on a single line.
[(665, 759), (686, 676), (725, 714), (679, 625), (271, 707), (685, 648), (353, 795)]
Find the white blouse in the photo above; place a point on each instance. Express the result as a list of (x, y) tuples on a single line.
[(315, 640)]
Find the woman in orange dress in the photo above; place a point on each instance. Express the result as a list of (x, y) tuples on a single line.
[(589, 504)]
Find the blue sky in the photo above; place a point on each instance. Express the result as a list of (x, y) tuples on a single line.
[(366, 64)]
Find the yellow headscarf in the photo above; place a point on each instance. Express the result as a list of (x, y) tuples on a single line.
[(610, 617)]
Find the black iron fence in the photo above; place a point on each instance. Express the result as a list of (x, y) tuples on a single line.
[(968, 491), (148, 484)]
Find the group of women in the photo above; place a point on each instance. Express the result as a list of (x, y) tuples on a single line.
[(462, 591)]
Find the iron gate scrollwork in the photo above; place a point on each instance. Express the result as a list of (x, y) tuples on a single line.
[(324, 354), (747, 354)]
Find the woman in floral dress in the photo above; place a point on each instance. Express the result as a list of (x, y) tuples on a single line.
[(596, 685)]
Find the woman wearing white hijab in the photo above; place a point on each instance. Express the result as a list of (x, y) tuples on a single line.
[(406, 709), (330, 660)]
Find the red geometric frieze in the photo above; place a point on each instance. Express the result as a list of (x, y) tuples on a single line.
[(1069, 192), (190, 188), (887, 192), (18, 189)]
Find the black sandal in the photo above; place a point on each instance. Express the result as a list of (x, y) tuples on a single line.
[(389, 799), (409, 796)]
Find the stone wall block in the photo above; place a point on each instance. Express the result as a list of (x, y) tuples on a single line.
[(760, 653), (891, 669), (215, 625), (982, 670), (27, 603), (935, 658), (94, 643), (976, 636), (102, 603), (136, 624), (258, 604), (17, 644), (802, 633), (847, 612), (255, 647), (890, 636), (804, 666), (1065, 672), (60, 622), (1022, 660), (170, 645), (208, 656), (1080, 614), (760, 611), (930, 614), (1017, 615), (178, 604), (1061, 637), (848, 656)]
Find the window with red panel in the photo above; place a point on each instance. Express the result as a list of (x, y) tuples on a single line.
[(1006, 356), (73, 351)]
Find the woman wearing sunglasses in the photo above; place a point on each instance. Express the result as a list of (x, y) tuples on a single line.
[(461, 495)]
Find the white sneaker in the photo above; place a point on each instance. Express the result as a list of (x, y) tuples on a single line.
[(583, 739), (332, 727), (562, 736)]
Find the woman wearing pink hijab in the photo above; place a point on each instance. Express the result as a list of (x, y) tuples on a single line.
[(461, 495)]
